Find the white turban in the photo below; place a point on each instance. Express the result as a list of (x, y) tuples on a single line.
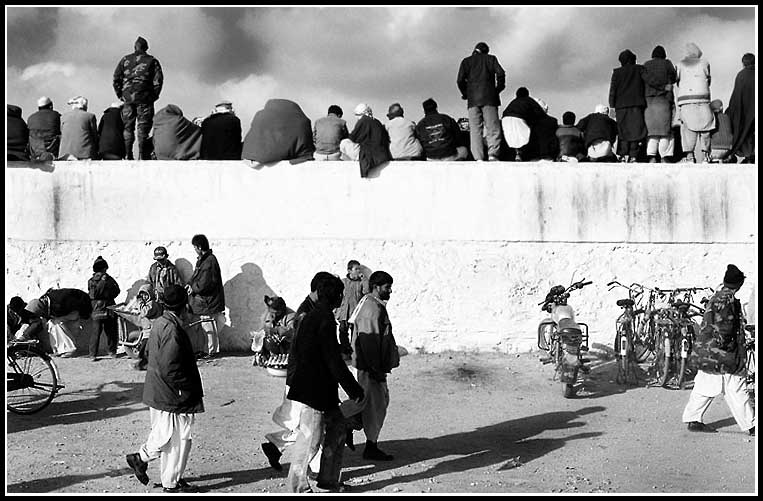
[(363, 109), (78, 102), (602, 108), (43, 101)]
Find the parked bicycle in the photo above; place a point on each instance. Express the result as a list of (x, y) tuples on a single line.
[(750, 363), (625, 329), (32, 379)]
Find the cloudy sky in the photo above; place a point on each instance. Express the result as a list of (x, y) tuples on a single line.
[(347, 55)]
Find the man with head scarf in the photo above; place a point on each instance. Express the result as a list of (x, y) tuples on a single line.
[(368, 142), (17, 135), (599, 134), (480, 80), (44, 131), (659, 76), (175, 137), (137, 83), (403, 144), (79, 132), (720, 354), (517, 120), (626, 96), (742, 111), (693, 100), (221, 134), (328, 132), (22, 324), (111, 144)]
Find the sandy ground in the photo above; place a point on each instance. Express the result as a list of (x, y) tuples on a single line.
[(457, 423)]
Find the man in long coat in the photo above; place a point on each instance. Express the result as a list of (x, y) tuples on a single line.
[(741, 110)]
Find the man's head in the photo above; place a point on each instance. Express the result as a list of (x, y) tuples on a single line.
[(523, 92), (430, 106), (321, 275), (395, 110), (482, 48), (200, 244), (734, 278), (334, 109), (44, 103), (16, 304), (568, 118), (175, 298), (716, 105), (78, 103), (626, 57), (330, 292), (380, 283), (276, 306), (353, 269), (748, 60), (100, 265), (659, 52), (36, 307), (141, 45), (363, 109), (160, 254), (224, 106)]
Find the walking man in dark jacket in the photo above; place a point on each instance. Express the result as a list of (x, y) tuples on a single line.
[(103, 289), (44, 131), (480, 80), (206, 296), (174, 395), (138, 82), (316, 367)]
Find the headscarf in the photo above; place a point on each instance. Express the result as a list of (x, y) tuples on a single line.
[(363, 109), (691, 51), (78, 103)]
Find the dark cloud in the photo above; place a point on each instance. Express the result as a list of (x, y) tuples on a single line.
[(30, 33)]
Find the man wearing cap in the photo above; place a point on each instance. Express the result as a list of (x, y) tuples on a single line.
[(103, 290), (174, 394), (79, 132), (138, 82), (480, 80), (221, 134), (162, 272), (368, 142), (403, 144), (328, 132), (599, 134), (720, 355), (44, 131), (438, 134)]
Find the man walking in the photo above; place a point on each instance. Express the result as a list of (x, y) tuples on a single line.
[(721, 353), (174, 395), (206, 295), (315, 369), (480, 80), (375, 355), (138, 82)]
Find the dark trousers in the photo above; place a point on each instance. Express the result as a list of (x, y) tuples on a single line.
[(333, 448), (143, 115), (109, 326)]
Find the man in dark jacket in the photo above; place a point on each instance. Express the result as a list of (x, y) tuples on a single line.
[(138, 82), (543, 144), (221, 134), (317, 369), (174, 395), (480, 80), (626, 95), (368, 142), (741, 110), (65, 309), (162, 272), (17, 135), (599, 134), (438, 134), (44, 131), (111, 144), (103, 290), (206, 296), (571, 146)]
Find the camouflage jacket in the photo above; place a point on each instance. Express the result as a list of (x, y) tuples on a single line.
[(138, 78), (719, 347)]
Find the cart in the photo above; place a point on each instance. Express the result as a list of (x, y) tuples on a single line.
[(130, 332)]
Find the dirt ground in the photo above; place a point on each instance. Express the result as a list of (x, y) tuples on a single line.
[(457, 423)]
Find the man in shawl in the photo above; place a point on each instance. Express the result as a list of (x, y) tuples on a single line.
[(175, 137), (659, 76), (17, 135), (626, 96), (368, 141), (693, 100), (279, 131), (374, 355), (741, 110), (520, 115), (599, 134)]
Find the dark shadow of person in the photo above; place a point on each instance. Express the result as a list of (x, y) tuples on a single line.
[(244, 300), (185, 269), (497, 444)]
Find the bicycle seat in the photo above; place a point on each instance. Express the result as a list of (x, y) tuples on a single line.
[(625, 302)]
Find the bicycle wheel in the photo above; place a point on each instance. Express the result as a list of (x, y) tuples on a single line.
[(685, 347), (662, 359), (643, 341), (622, 366), (31, 380)]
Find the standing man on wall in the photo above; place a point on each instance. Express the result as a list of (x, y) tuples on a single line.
[(138, 82), (206, 295), (480, 79)]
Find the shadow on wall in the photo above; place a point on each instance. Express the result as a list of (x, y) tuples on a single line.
[(185, 269), (243, 298)]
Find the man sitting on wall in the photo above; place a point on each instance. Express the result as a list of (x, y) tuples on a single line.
[(438, 134)]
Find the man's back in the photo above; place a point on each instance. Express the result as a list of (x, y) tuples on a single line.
[(402, 139), (221, 137), (44, 124), (437, 133), (627, 87), (597, 126), (327, 134), (138, 78), (79, 134), (481, 78)]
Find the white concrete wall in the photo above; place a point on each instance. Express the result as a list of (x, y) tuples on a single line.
[(473, 247)]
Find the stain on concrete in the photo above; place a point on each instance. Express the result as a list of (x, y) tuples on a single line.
[(56, 208), (540, 207)]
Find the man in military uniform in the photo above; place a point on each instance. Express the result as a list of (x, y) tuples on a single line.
[(138, 82), (720, 354)]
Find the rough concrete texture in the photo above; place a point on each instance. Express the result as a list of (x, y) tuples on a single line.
[(447, 295)]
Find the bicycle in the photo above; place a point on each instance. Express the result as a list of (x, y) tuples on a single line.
[(625, 328), (32, 379), (750, 363), (676, 333)]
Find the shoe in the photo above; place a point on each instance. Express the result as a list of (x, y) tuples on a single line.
[(139, 467), (348, 440), (179, 488), (273, 455), (492, 159), (652, 160), (94, 359), (373, 453), (139, 365), (67, 354), (751, 431), (632, 160), (340, 487), (664, 160), (697, 426)]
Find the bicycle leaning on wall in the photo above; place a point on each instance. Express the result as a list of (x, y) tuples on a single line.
[(625, 333)]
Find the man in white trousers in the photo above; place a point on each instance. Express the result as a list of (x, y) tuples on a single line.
[(174, 394), (721, 354)]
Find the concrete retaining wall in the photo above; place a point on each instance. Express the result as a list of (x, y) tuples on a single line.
[(473, 247)]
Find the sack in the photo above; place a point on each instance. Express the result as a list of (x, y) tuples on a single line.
[(59, 339)]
